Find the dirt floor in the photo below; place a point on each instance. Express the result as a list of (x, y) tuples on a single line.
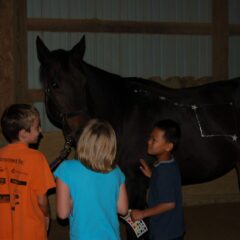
[(209, 222)]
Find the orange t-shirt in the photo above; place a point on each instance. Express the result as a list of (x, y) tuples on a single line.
[(24, 175)]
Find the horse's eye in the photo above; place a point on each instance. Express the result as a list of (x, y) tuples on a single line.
[(54, 84)]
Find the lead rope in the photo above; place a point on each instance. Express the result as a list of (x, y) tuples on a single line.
[(63, 153)]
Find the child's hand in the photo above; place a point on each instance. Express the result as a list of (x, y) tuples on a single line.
[(136, 215), (146, 170)]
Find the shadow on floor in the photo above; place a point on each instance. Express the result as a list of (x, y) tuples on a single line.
[(208, 222)]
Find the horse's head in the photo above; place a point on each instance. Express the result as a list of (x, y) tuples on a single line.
[(64, 85)]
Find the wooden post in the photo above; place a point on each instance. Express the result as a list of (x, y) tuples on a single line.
[(12, 51), (7, 87), (220, 39), (21, 81)]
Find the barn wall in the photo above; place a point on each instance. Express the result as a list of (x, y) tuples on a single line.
[(129, 54), (234, 46), (163, 55), (234, 56), (134, 10), (234, 9)]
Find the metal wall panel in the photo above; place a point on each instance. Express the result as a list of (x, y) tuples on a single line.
[(234, 57), (234, 46), (137, 10), (234, 11)]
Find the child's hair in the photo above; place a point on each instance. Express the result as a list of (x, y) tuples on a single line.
[(97, 146), (17, 117), (172, 131)]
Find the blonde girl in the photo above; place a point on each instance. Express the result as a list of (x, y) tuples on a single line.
[(91, 189)]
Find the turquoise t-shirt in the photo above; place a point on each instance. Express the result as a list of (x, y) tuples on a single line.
[(95, 196)]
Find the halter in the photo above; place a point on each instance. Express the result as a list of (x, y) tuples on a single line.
[(64, 116)]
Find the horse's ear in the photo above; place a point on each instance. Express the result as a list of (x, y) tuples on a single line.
[(43, 52), (79, 49)]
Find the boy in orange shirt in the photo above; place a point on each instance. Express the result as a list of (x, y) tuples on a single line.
[(25, 177)]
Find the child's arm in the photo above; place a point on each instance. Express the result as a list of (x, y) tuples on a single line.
[(149, 212), (122, 204), (44, 206), (63, 199)]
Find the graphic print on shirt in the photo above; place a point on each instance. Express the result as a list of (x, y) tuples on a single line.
[(12, 179)]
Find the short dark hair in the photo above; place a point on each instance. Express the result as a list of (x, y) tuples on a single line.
[(17, 117), (172, 131)]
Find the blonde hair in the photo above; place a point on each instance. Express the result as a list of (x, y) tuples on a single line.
[(97, 146)]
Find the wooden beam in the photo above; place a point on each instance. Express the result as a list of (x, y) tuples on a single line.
[(220, 39), (96, 26)]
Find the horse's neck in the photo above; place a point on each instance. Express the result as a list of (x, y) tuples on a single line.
[(104, 89), (97, 73)]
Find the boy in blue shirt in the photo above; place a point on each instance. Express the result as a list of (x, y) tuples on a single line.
[(165, 212)]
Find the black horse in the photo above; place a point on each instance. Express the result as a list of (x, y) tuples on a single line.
[(208, 115)]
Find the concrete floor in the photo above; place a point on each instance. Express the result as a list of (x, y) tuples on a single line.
[(209, 222)]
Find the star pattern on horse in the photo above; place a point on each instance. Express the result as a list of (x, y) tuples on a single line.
[(194, 107)]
